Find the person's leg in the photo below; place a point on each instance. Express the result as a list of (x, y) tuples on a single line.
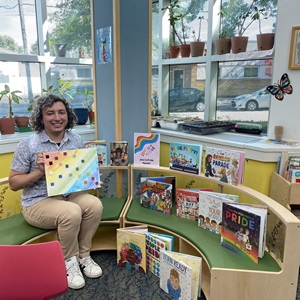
[(53, 213), (91, 208)]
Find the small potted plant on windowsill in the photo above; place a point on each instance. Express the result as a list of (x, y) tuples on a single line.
[(197, 46), (223, 43), (87, 103), (7, 125)]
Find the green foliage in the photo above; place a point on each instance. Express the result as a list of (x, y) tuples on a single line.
[(73, 24), (8, 43), (88, 94), (12, 96)]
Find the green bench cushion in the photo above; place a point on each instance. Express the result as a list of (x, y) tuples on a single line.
[(14, 230), (208, 242), (112, 208)]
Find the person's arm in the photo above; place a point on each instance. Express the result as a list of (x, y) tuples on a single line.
[(20, 180)]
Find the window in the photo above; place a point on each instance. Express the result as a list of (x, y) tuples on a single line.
[(235, 88), (65, 32)]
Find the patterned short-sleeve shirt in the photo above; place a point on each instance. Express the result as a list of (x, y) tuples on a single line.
[(25, 160)]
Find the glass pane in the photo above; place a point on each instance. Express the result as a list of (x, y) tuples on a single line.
[(24, 77), (18, 27), (242, 95), (155, 30), (248, 18), (154, 94), (187, 90), (71, 81), (69, 27)]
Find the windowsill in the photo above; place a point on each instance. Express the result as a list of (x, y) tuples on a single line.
[(255, 147), (9, 142)]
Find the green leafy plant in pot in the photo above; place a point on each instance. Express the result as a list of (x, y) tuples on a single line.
[(87, 104), (197, 46), (7, 125), (223, 43)]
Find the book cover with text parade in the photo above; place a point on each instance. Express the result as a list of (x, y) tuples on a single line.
[(224, 165), (244, 230), (146, 149), (186, 157), (71, 171)]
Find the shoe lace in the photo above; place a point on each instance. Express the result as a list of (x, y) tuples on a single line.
[(73, 270), (87, 261)]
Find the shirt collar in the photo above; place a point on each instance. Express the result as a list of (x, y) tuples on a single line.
[(45, 138)]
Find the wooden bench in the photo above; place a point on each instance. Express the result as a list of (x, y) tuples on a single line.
[(226, 275)]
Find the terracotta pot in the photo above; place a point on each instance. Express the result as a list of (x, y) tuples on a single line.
[(91, 116), (174, 51), (239, 44), (22, 121), (185, 50), (265, 41), (223, 46), (197, 48), (7, 125)]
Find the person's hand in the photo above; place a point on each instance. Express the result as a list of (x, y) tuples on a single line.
[(40, 162)]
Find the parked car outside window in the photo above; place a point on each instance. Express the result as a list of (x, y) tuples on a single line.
[(255, 101), (186, 99)]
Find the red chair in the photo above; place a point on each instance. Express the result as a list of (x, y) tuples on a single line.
[(33, 272)]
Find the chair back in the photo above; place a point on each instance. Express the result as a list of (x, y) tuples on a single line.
[(33, 271)]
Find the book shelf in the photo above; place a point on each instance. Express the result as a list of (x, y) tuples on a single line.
[(222, 269)]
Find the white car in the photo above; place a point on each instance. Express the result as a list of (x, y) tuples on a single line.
[(257, 100)]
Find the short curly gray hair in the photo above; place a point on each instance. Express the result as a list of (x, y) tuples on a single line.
[(47, 101)]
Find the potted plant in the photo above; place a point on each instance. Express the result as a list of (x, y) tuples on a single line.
[(223, 43), (7, 125), (87, 104), (197, 46), (174, 17), (265, 41)]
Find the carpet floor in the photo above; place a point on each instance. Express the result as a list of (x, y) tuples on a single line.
[(118, 283)]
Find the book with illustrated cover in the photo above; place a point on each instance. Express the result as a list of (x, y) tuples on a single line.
[(156, 195), (210, 210), (167, 179), (155, 242), (131, 248), (244, 229), (224, 165), (146, 149), (119, 153), (186, 157), (180, 275), (71, 171), (100, 145)]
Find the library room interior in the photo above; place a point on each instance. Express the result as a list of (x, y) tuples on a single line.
[(150, 149)]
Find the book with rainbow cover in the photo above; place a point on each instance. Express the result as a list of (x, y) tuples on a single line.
[(146, 149)]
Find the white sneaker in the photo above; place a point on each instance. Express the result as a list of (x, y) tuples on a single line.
[(89, 267), (74, 275)]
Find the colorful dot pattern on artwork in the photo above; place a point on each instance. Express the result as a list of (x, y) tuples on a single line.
[(71, 171)]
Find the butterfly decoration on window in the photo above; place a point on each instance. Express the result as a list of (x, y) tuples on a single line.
[(282, 88)]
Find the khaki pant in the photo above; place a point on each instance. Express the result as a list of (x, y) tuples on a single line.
[(76, 218)]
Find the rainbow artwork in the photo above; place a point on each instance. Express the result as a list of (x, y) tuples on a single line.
[(146, 149), (71, 171)]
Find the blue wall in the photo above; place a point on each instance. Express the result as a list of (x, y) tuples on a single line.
[(134, 31)]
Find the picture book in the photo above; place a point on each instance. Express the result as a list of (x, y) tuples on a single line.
[(71, 171), (167, 179), (288, 161), (186, 157), (131, 248), (187, 203), (155, 242), (156, 195), (224, 165), (210, 210), (146, 149), (180, 275), (100, 145), (119, 153), (244, 229)]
